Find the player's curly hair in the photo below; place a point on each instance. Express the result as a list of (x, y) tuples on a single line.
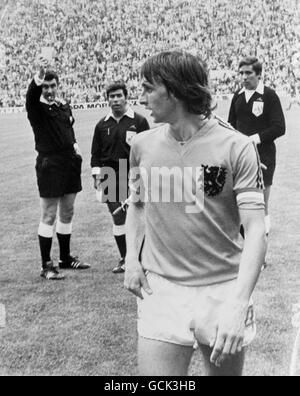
[(183, 75)]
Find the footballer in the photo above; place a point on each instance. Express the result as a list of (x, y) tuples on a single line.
[(196, 275)]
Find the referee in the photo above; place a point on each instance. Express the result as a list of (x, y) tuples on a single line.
[(58, 168), (256, 111), (111, 143)]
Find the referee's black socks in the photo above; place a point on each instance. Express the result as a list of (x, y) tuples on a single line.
[(45, 234), (64, 232), (120, 237)]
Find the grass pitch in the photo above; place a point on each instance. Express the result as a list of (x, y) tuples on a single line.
[(87, 324)]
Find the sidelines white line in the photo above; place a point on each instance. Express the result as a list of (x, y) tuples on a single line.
[(295, 357), (295, 362)]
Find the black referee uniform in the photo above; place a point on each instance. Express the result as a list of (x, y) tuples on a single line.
[(262, 115), (58, 167), (111, 143)]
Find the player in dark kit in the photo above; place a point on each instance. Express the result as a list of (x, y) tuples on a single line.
[(111, 143), (58, 169), (256, 111)]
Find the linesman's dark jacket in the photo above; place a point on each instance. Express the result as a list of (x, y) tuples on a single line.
[(262, 115), (112, 140), (52, 124)]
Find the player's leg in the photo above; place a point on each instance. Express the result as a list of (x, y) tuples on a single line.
[(164, 326), (64, 233), (233, 367), (210, 303), (156, 358), (45, 233), (119, 233)]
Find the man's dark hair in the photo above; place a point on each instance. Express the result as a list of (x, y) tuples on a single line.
[(252, 61), (115, 86), (183, 75), (51, 75)]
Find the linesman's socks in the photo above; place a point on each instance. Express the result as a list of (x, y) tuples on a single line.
[(64, 232), (45, 234), (120, 237)]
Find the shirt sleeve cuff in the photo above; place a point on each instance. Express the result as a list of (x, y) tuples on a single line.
[(38, 81), (256, 139), (96, 171)]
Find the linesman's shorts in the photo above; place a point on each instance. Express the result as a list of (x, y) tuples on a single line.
[(268, 174), (119, 219), (175, 314), (58, 174)]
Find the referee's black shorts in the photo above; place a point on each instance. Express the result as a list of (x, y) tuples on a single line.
[(267, 155), (58, 174)]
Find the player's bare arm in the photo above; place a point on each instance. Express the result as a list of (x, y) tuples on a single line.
[(230, 331), (135, 278)]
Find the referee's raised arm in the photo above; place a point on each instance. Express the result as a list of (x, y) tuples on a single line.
[(35, 88)]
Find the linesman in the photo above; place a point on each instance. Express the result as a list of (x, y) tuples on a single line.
[(256, 111), (111, 143)]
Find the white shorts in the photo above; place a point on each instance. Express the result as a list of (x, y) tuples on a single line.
[(173, 311)]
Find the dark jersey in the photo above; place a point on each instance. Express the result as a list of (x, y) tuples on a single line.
[(112, 140), (52, 124), (262, 115)]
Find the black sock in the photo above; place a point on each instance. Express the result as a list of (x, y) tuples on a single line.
[(64, 246), (45, 247), (242, 232), (121, 242)]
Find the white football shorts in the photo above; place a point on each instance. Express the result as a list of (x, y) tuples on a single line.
[(174, 312)]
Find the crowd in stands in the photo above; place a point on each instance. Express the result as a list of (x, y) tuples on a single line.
[(97, 41)]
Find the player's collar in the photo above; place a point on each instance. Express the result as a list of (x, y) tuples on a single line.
[(260, 89), (57, 102), (129, 113)]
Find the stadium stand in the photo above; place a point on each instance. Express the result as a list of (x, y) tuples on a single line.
[(101, 40)]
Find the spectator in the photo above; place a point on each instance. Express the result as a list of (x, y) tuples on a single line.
[(102, 40)]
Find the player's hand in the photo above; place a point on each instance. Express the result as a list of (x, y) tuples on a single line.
[(135, 279), (230, 331)]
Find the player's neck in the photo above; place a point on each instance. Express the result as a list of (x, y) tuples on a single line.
[(185, 128)]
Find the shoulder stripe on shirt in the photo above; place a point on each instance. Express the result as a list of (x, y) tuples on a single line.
[(224, 124)]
